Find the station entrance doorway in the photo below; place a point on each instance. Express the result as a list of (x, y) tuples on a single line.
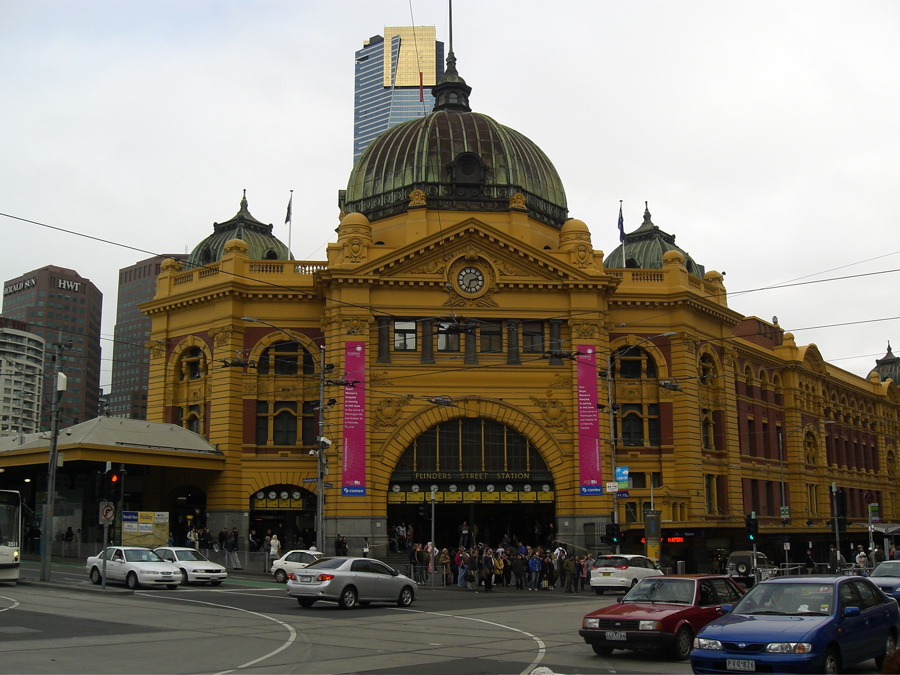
[(478, 471)]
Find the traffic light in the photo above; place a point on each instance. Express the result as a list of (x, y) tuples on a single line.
[(113, 485), (752, 525), (613, 533)]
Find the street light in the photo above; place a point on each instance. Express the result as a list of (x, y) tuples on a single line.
[(321, 441), (610, 361)]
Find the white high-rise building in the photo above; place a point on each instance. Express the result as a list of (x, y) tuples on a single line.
[(21, 378)]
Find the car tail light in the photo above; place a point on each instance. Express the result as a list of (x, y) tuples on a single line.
[(291, 576), (325, 577)]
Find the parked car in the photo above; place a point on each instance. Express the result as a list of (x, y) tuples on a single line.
[(135, 565), (193, 565), (661, 614), (292, 560), (619, 572), (350, 582), (886, 576), (805, 624), (740, 567)]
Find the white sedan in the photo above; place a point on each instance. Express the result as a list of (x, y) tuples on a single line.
[(293, 560), (135, 565), (194, 566)]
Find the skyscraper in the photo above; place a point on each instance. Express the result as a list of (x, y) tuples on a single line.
[(393, 80), (131, 363), (64, 308)]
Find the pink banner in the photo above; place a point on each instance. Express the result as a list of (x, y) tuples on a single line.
[(353, 476), (590, 471)]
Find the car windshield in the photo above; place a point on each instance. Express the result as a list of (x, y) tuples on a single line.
[(611, 561), (191, 555), (788, 599), (137, 555), (886, 569), (672, 591), (327, 563)]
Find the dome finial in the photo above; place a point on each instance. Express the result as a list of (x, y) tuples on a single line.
[(244, 201), (646, 213), (451, 92)]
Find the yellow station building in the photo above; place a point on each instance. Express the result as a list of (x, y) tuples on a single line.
[(472, 297), (480, 360)]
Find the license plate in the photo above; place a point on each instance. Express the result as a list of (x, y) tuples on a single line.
[(306, 580), (741, 664), (615, 635), (607, 574)]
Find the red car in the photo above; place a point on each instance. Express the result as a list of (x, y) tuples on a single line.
[(660, 613)]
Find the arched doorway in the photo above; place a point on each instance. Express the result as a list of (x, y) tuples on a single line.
[(479, 471), (286, 510), (188, 510)]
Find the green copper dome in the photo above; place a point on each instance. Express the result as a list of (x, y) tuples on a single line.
[(461, 160), (261, 243), (645, 248)]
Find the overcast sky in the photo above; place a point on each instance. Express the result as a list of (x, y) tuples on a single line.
[(765, 135)]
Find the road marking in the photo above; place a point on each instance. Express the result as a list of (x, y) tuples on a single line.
[(541, 650), (15, 603), (292, 633)]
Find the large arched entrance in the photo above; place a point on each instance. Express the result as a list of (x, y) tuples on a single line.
[(475, 470)]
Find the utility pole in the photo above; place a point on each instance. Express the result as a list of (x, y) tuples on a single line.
[(60, 381)]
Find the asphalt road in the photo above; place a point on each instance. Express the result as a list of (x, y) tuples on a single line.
[(250, 625)]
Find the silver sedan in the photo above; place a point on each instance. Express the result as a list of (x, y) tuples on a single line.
[(350, 582)]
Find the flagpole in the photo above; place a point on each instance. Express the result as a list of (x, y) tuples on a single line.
[(622, 235), (289, 219)]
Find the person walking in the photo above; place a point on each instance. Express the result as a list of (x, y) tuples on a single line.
[(569, 567), (444, 563), (836, 561), (534, 568), (462, 565), (231, 546), (487, 569)]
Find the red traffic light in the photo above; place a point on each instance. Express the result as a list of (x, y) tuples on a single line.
[(114, 478)]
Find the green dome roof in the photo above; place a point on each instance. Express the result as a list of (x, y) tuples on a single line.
[(261, 243), (645, 248), (461, 160)]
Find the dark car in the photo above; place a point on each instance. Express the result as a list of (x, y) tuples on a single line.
[(661, 614), (804, 624), (886, 576)]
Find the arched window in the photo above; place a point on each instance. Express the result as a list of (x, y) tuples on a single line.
[(471, 445), (193, 364), (632, 363)]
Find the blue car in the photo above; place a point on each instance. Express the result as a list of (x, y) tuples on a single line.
[(805, 624), (886, 576)]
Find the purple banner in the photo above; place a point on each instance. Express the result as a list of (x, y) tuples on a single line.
[(353, 476), (590, 472)]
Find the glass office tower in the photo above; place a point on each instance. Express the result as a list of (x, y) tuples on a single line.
[(393, 80)]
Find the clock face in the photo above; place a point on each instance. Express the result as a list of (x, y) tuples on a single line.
[(453, 487), (260, 495), (470, 279), (415, 488), (395, 488), (508, 488), (296, 494), (490, 488), (284, 494), (471, 488), (527, 488), (272, 494)]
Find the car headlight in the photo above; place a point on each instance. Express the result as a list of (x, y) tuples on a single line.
[(15, 556), (649, 625), (591, 623), (789, 647), (706, 643)]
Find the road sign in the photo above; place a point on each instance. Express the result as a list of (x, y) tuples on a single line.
[(612, 486), (107, 513), (308, 480)]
